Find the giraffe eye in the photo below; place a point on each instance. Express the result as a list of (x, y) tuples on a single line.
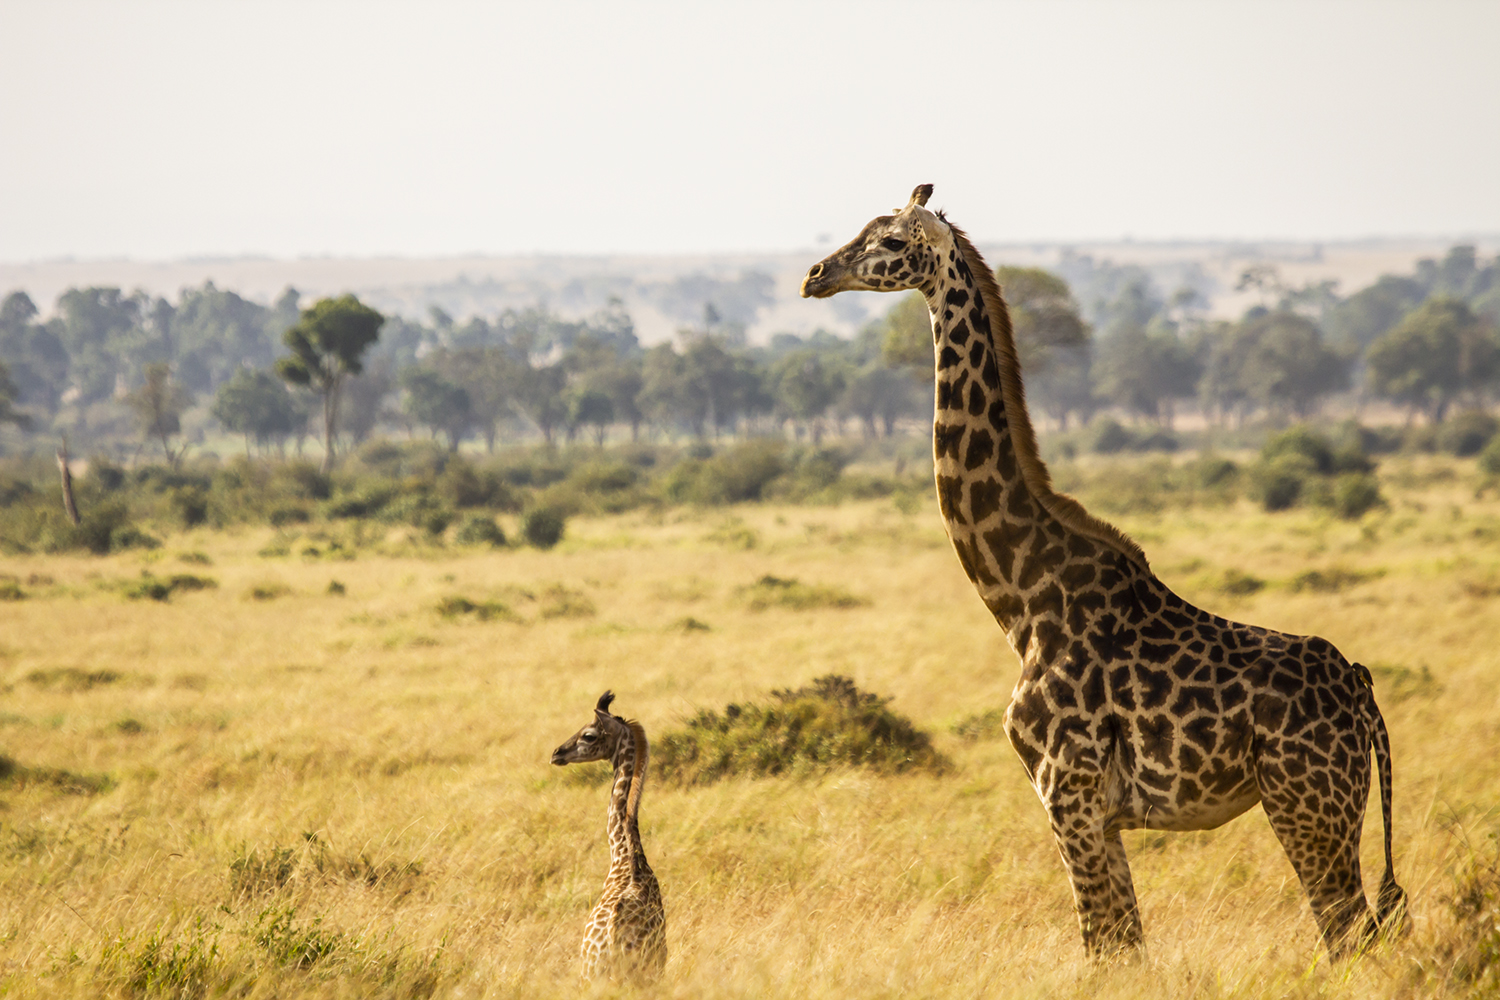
[(588, 737), (891, 243)]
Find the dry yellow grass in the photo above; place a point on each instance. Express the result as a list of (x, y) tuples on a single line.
[(451, 859)]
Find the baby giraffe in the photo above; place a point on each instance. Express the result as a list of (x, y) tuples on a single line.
[(626, 937)]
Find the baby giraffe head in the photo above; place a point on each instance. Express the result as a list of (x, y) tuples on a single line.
[(892, 253), (596, 741)]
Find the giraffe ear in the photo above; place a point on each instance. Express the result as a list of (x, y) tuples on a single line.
[(919, 195), (933, 229)]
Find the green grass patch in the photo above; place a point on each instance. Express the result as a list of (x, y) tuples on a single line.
[(1396, 682), (831, 723), (18, 776), (73, 679), (777, 592), (1332, 581), (988, 725), (456, 606), (558, 601)]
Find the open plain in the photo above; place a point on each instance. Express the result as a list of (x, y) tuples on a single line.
[(298, 777)]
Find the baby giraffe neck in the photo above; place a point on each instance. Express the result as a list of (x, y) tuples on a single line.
[(625, 799)]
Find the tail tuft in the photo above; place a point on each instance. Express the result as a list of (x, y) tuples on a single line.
[(1390, 907)]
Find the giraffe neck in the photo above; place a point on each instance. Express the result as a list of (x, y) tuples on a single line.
[(625, 801), (1009, 528)]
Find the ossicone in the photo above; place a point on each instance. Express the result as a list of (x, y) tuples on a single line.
[(604, 701), (919, 195)]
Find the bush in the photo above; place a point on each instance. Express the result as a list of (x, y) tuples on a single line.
[(1467, 433), (1489, 459), (1280, 483), (128, 536), (1300, 441), (1354, 493), (737, 474), (812, 729), (190, 505), (479, 529), (543, 527), (453, 607), (1109, 437)]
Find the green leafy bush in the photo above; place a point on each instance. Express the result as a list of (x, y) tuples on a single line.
[(734, 475), (831, 723), (1467, 433), (480, 529), (1301, 441), (1489, 459), (543, 527), (988, 725), (1281, 482), (1108, 436), (1354, 493)]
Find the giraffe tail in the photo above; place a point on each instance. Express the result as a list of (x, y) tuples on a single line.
[(1390, 902)]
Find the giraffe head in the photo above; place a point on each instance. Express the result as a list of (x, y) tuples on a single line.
[(891, 254), (596, 741)]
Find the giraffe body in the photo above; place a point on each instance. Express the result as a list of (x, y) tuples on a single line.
[(626, 934), (1134, 709)]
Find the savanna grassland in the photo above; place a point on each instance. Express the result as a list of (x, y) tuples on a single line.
[(313, 762)]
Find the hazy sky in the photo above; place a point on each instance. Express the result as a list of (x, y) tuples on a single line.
[(158, 129)]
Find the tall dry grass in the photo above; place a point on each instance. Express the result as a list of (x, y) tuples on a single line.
[(313, 794)]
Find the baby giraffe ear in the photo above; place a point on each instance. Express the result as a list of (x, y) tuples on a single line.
[(604, 700)]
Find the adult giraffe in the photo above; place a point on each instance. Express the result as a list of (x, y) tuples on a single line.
[(1134, 708)]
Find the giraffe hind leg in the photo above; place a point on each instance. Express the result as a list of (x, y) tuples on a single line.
[(1320, 832)]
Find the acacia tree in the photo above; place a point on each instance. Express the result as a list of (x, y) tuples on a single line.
[(327, 345), (1439, 352), (8, 412), (158, 405), (256, 403)]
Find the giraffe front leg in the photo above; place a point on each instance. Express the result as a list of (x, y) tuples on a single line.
[(1103, 893)]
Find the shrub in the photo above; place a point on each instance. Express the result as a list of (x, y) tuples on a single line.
[(190, 505), (1279, 483), (1161, 440), (543, 527), (828, 724), (1332, 581), (558, 601), (1489, 459), (735, 475), (1108, 437), (1300, 441), (1238, 583), (452, 607), (1467, 433), (774, 591), (1211, 471), (479, 529), (128, 536), (1354, 493), (988, 725), (10, 589)]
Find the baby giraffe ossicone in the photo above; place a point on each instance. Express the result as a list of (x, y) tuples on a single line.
[(626, 936)]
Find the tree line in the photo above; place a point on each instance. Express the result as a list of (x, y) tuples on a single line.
[(110, 367)]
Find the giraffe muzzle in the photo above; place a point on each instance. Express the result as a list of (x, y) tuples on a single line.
[(819, 282)]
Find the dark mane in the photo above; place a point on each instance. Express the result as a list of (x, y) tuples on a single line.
[(1033, 470)]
